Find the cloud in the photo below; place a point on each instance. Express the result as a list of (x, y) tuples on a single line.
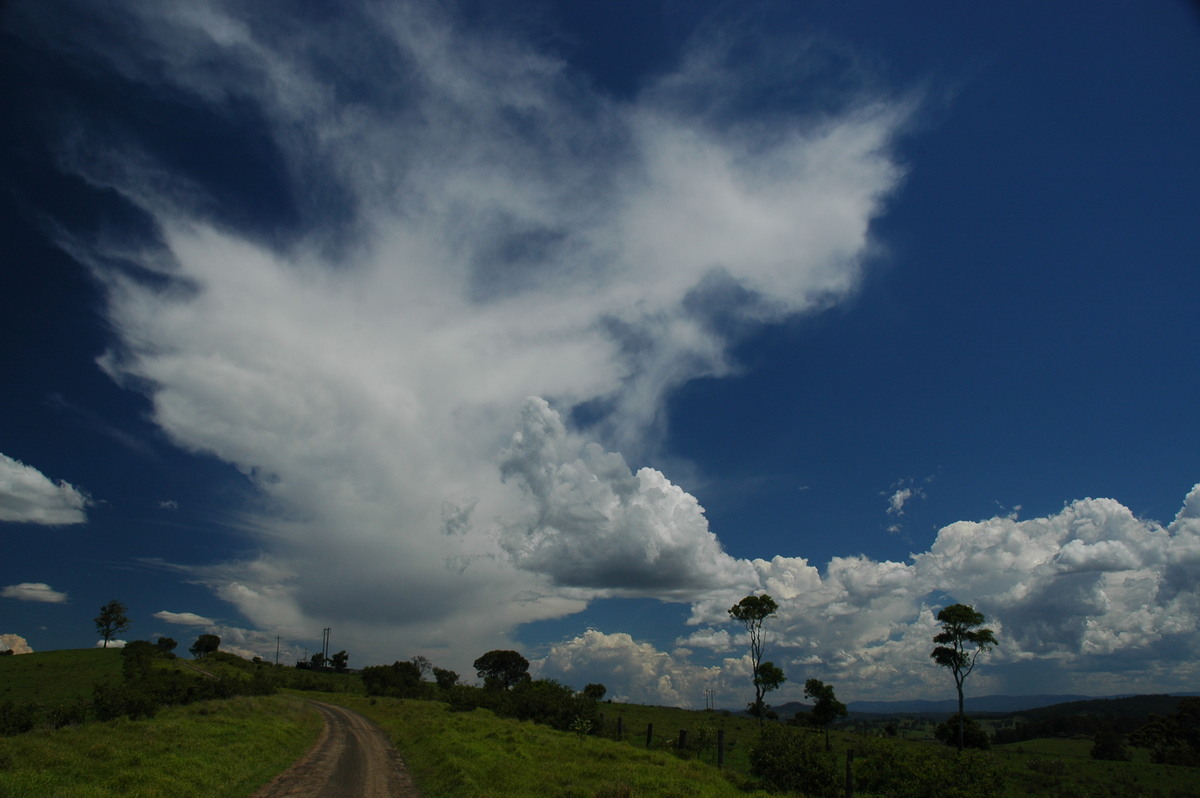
[(15, 643), (481, 227), (28, 497), (34, 591), (111, 644), (183, 618), (589, 521)]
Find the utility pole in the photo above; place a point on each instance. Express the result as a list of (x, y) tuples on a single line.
[(276, 650), (325, 649), (710, 696)]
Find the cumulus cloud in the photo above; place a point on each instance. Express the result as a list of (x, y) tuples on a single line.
[(34, 591), (27, 496), (15, 643), (476, 227), (183, 618), (111, 644)]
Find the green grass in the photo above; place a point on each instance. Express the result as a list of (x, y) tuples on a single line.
[(476, 754), (214, 748), (55, 678)]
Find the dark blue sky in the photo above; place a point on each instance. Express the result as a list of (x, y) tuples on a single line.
[(276, 286)]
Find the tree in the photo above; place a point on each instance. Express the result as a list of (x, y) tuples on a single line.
[(205, 644), (595, 691), (423, 665), (502, 669), (959, 644), (165, 644), (111, 620), (961, 728), (751, 612), (339, 661), (826, 708), (445, 678)]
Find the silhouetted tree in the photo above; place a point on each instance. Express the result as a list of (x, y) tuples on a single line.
[(502, 669), (826, 708), (111, 620), (339, 661), (751, 612), (205, 644), (962, 732), (595, 691), (959, 644), (445, 678), (423, 665), (165, 644)]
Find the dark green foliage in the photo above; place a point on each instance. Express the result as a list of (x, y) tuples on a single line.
[(137, 658), (962, 732), (445, 678), (111, 620), (826, 708), (16, 718), (205, 644), (339, 661), (1109, 744), (400, 680), (165, 644), (896, 771), (595, 691), (502, 669), (789, 760), (1175, 738)]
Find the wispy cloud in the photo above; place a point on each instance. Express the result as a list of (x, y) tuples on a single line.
[(29, 497), (34, 591), (183, 618)]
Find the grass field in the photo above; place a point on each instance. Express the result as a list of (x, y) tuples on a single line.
[(55, 678), (215, 748)]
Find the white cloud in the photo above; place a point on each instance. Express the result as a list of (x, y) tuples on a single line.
[(500, 231), (28, 497), (183, 618), (34, 591), (112, 643), (15, 643)]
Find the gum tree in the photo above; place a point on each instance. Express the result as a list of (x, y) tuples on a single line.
[(751, 612), (959, 644), (111, 620)]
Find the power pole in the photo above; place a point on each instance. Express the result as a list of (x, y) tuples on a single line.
[(277, 650), (325, 650)]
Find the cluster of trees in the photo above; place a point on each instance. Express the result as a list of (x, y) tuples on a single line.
[(957, 647)]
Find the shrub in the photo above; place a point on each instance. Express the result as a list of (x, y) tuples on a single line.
[(16, 718), (973, 734), (889, 769), (787, 760)]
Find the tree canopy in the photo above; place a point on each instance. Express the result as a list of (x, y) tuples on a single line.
[(826, 708), (502, 669), (205, 644)]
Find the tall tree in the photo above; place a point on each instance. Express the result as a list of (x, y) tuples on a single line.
[(339, 661), (111, 620), (502, 669), (959, 644), (751, 612), (826, 708)]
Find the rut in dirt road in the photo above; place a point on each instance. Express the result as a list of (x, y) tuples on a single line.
[(353, 758)]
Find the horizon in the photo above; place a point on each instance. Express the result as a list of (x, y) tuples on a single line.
[(562, 326)]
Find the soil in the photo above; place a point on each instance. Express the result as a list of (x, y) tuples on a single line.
[(352, 758)]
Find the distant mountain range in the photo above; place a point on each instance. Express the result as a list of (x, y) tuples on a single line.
[(974, 704)]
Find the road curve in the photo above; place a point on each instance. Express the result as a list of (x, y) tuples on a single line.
[(352, 758)]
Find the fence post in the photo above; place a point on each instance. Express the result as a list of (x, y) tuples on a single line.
[(720, 748), (649, 734), (850, 773)]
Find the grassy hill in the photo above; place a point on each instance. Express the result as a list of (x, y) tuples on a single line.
[(55, 678)]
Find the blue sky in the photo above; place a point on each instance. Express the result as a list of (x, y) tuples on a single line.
[(563, 326)]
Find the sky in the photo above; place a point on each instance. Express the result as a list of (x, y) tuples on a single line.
[(562, 326)]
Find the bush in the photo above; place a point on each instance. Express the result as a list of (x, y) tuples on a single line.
[(16, 718), (973, 734), (892, 770), (787, 760)]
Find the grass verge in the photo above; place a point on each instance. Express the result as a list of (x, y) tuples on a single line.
[(214, 748), (476, 754)]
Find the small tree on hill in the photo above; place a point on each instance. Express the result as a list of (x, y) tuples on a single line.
[(165, 644), (751, 612), (339, 661), (205, 644), (959, 644), (445, 678), (111, 620)]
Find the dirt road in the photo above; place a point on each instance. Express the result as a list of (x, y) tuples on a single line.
[(352, 758)]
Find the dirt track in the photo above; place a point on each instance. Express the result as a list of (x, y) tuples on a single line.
[(353, 757)]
